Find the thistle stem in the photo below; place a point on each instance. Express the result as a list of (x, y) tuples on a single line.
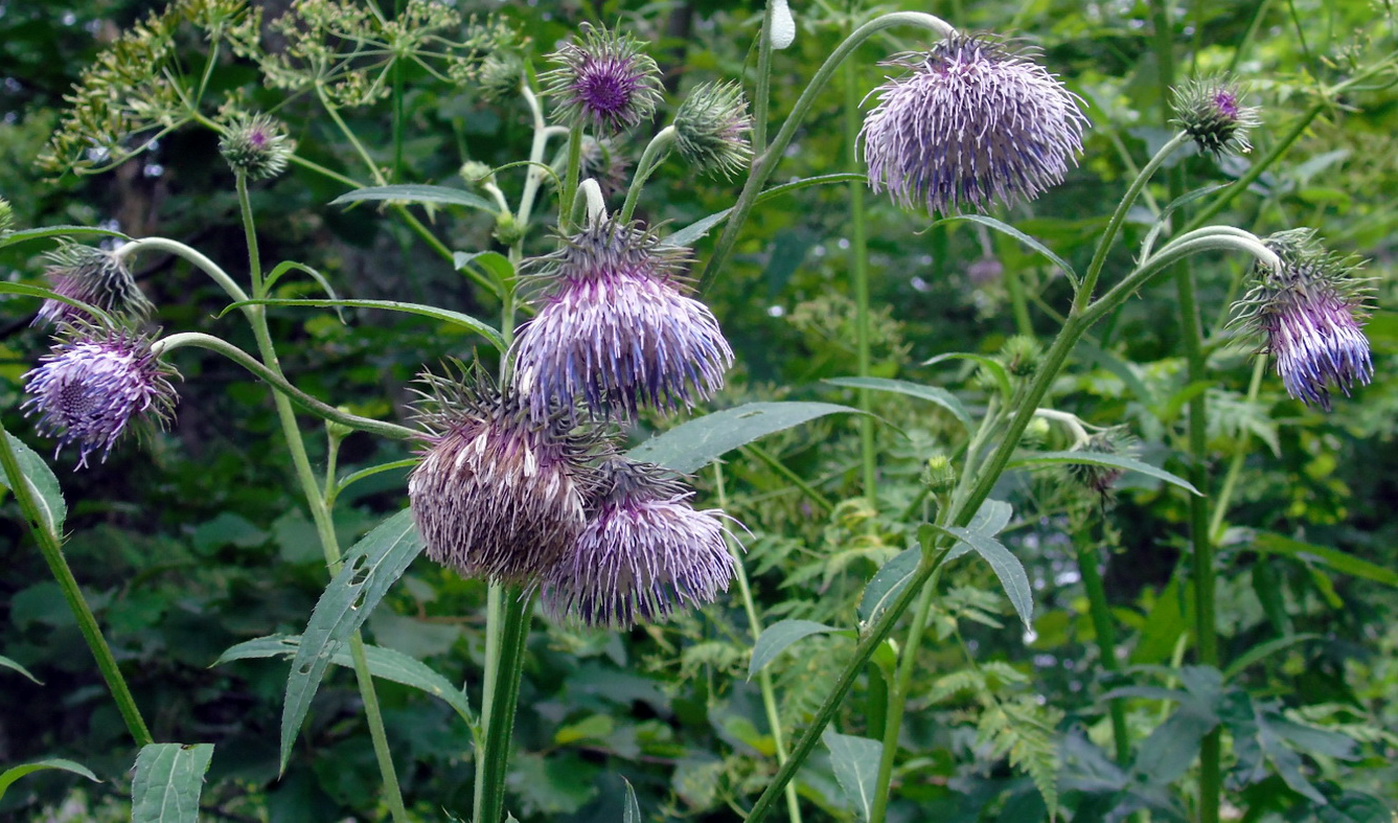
[(498, 711), (51, 545), (656, 151), (1099, 610)]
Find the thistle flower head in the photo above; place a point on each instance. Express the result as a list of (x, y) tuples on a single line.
[(711, 129), (645, 553), (972, 124), (604, 81), (94, 276), (1310, 315), (1210, 110), (96, 384), (257, 146), (615, 330), (497, 494)]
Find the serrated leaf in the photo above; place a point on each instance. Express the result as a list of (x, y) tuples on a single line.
[(855, 761), (455, 318), (385, 663), (995, 367), (1006, 228), (7, 663), (631, 812), (778, 636), (48, 496), (693, 445), (932, 394), (991, 518), (417, 193), (10, 775), (370, 567), (169, 778), (887, 583), (1114, 461), (1006, 566)]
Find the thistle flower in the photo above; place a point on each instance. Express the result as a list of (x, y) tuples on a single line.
[(711, 129), (1210, 110), (1311, 316), (94, 385), (972, 125), (256, 146), (606, 82), (94, 276), (615, 329), (645, 554), (497, 495)]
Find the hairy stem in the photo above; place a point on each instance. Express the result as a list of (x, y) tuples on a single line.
[(499, 723)]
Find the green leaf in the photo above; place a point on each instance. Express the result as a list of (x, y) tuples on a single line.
[(169, 778), (320, 279), (455, 318), (991, 518), (1114, 461), (1271, 543), (631, 812), (385, 663), (10, 775), (7, 663), (855, 761), (887, 584), (778, 636), (42, 483), (418, 193), (941, 397), (995, 367), (1006, 228), (693, 445), (57, 231), (370, 567), (49, 294), (691, 234), (1007, 567), (1166, 755), (1264, 650), (497, 265)]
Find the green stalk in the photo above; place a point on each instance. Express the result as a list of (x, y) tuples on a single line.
[(898, 703), (1100, 612), (762, 98), (1235, 466), (320, 512), (502, 701), (1019, 305), (52, 548), (656, 151), (764, 677), (1054, 360), (568, 187), (765, 163), (859, 252)]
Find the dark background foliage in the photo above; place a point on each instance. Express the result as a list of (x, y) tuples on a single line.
[(196, 539)]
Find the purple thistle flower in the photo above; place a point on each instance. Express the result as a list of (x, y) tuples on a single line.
[(94, 385), (615, 329), (1310, 315), (972, 125), (645, 554), (94, 276), (606, 82), (1210, 111), (497, 495)]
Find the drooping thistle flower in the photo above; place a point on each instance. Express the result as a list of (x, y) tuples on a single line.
[(973, 124), (497, 495), (615, 330), (1210, 110), (94, 276), (95, 385), (711, 129), (257, 146), (645, 553), (604, 82), (1310, 315)]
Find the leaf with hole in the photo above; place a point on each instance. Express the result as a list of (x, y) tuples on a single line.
[(169, 778), (777, 637), (370, 567), (694, 445), (855, 761)]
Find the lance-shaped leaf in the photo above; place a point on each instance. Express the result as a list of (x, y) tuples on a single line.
[(42, 483), (932, 394), (370, 567), (778, 636), (10, 775), (1112, 461), (1006, 566), (694, 445), (417, 193), (855, 761)]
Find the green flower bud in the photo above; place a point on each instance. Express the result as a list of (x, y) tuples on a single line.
[(711, 129), (256, 146), (938, 474)]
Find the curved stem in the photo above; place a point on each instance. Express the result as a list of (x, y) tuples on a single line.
[(51, 546), (310, 404), (179, 249), (534, 177), (656, 151), (764, 164)]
